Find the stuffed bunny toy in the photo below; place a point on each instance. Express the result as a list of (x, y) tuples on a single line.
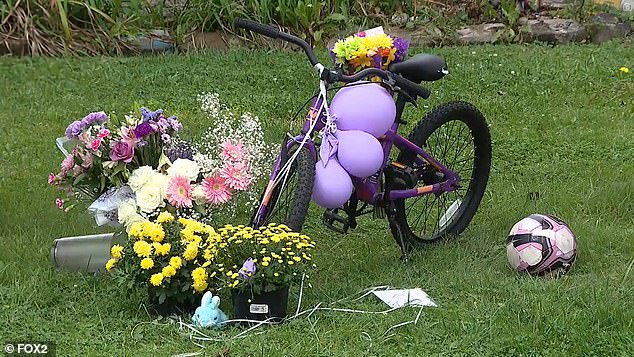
[(208, 314)]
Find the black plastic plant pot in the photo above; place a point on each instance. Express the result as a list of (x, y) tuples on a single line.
[(247, 305)]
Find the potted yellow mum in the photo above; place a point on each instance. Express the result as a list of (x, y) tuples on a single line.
[(172, 258), (259, 266)]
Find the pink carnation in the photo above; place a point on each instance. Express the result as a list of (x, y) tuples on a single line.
[(59, 203), (51, 178), (103, 133), (67, 164), (216, 190), (95, 144), (234, 152), (179, 192), (237, 177)]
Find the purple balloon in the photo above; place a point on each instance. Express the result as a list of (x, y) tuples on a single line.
[(333, 185), (359, 153), (366, 107)]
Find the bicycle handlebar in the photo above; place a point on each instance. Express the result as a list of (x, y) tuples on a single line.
[(404, 83), (274, 33)]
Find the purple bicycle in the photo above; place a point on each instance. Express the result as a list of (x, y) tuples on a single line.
[(429, 191)]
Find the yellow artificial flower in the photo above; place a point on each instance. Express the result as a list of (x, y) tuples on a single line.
[(176, 262), (142, 248), (156, 279), (280, 261), (265, 263), (110, 264), (624, 69), (191, 251), (168, 271), (147, 263), (297, 259), (234, 284), (116, 251), (306, 256), (162, 249), (276, 274), (165, 217), (290, 262)]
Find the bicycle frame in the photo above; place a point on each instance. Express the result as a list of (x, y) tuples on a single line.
[(367, 189)]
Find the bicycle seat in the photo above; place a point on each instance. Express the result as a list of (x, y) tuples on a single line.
[(422, 67)]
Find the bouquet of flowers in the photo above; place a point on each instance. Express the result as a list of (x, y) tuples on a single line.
[(172, 258), (233, 153), (133, 170), (101, 153), (371, 48), (262, 260)]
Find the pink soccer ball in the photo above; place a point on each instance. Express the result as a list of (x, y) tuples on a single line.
[(541, 244)]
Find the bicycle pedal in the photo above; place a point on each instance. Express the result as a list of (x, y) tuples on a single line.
[(331, 217)]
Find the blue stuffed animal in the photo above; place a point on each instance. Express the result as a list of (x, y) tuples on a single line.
[(208, 314)]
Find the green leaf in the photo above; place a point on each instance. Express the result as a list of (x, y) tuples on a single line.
[(335, 17), (161, 298), (79, 178)]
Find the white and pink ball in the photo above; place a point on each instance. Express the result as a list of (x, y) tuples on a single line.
[(541, 244)]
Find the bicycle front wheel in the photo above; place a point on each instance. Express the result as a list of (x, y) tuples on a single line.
[(456, 134), (288, 201)]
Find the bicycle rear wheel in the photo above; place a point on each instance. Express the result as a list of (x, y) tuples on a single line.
[(456, 134), (289, 200)]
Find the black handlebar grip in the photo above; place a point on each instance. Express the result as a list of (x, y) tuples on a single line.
[(411, 87), (262, 29)]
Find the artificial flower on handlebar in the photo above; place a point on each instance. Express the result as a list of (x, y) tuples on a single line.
[(372, 48)]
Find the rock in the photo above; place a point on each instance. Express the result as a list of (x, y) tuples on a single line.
[(482, 33), (154, 41), (556, 31), (399, 19), (427, 36), (203, 40), (553, 4), (604, 27)]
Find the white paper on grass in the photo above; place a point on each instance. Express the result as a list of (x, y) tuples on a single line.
[(404, 297)]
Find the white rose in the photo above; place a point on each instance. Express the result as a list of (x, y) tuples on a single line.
[(184, 167), (140, 177), (125, 211), (199, 195), (152, 194)]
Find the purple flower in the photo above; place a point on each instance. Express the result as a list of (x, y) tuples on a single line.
[(247, 270), (94, 117), (377, 60), (122, 151), (142, 130), (163, 124), (165, 138), (74, 129), (180, 150), (401, 46), (150, 115), (174, 123)]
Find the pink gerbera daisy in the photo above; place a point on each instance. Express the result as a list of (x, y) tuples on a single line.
[(179, 192), (216, 190), (237, 176), (234, 152)]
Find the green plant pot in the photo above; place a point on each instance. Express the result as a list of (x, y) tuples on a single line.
[(260, 307)]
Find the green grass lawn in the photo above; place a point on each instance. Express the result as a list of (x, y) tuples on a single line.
[(562, 123)]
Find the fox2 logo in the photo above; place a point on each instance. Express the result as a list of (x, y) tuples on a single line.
[(27, 349)]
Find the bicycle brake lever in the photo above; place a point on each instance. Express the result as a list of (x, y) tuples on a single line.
[(392, 84)]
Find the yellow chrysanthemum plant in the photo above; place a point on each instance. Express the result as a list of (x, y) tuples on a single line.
[(172, 258), (262, 260), (372, 48)]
